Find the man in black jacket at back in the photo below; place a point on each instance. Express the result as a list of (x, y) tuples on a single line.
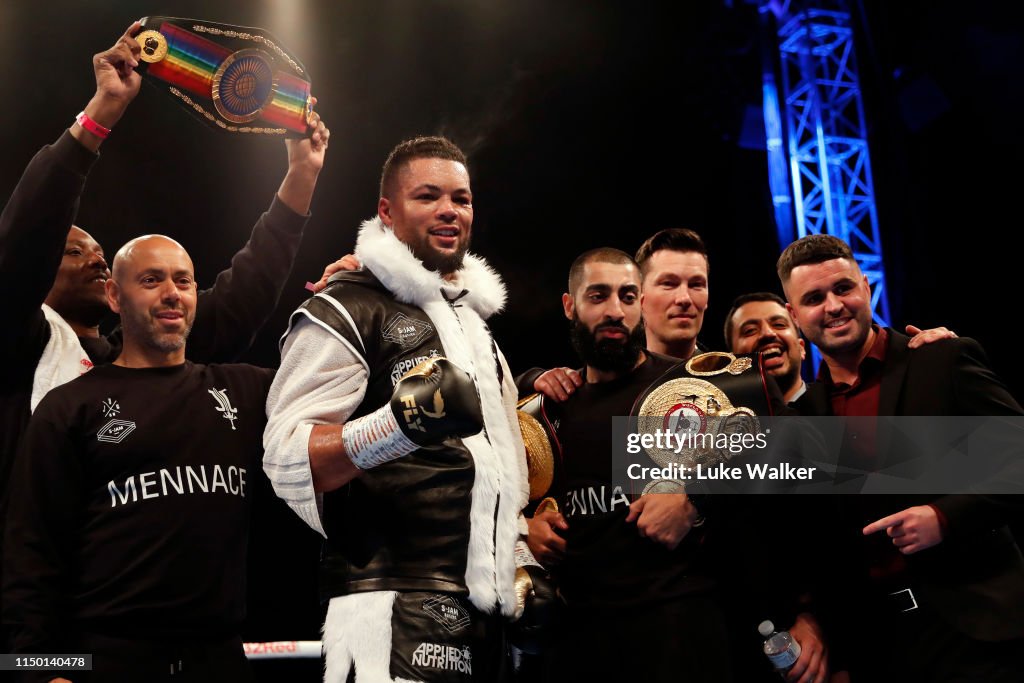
[(938, 581)]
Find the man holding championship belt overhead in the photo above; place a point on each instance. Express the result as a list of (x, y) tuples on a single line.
[(128, 528), (392, 432), (53, 273), (235, 79)]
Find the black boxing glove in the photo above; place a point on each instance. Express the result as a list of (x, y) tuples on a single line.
[(434, 401), (538, 609)]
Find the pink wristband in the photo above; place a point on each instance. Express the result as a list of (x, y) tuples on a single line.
[(96, 129)]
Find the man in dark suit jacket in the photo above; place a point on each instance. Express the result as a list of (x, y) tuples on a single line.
[(940, 597)]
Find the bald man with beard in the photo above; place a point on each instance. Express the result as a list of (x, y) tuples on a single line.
[(127, 531)]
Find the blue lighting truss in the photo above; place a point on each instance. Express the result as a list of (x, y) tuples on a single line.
[(820, 111)]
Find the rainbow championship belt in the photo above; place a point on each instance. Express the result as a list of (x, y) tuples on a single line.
[(236, 79)]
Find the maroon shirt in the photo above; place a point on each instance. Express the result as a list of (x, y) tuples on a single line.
[(861, 399)]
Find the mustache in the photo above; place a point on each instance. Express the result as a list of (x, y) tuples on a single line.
[(611, 326)]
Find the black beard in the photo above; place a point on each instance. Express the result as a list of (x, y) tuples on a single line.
[(788, 381), (611, 355), (445, 264)]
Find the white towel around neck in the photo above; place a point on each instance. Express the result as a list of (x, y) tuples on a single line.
[(63, 359)]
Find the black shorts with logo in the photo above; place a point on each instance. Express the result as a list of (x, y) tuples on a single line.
[(442, 638)]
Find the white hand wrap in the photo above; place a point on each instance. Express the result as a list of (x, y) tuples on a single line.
[(375, 439), (524, 556)]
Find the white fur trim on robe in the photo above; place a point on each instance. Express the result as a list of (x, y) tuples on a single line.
[(357, 633)]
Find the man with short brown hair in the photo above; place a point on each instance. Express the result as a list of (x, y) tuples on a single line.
[(935, 595), (674, 264)]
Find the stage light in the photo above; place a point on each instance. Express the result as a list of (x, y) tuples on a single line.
[(290, 21)]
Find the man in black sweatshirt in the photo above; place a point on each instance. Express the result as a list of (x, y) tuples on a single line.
[(52, 273), (127, 531), (621, 558)]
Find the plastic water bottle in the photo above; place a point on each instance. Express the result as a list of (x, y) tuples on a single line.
[(779, 646)]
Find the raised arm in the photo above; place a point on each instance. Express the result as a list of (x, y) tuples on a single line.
[(229, 314), (36, 219)]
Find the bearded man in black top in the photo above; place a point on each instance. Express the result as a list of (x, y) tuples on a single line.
[(632, 569)]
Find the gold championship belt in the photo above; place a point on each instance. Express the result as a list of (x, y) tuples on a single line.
[(707, 404), (233, 78), (541, 443)]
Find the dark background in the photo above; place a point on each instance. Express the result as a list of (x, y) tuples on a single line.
[(588, 124)]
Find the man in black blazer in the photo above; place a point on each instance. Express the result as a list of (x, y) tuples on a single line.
[(938, 582)]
